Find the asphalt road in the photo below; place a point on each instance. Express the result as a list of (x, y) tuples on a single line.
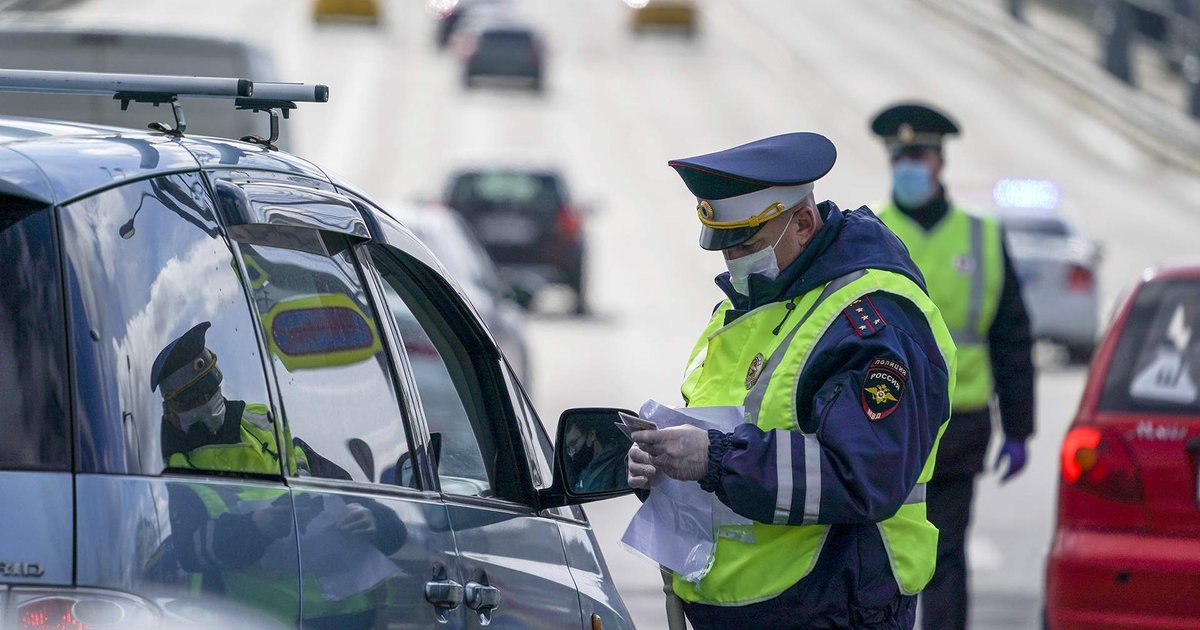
[(618, 106)]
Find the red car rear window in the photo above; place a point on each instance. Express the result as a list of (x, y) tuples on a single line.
[(1156, 366)]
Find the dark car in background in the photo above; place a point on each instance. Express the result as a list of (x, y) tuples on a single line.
[(1126, 547), (371, 460), (454, 243), (504, 52), (528, 223)]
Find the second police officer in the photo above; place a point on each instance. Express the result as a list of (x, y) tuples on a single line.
[(971, 279), (845, 368)]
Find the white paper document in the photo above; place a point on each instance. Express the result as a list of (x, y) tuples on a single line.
[(677, 526)]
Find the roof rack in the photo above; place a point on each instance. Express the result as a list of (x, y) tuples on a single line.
[(158, 89), (275, 98)]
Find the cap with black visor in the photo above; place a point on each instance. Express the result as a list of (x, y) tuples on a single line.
[(739, 190)]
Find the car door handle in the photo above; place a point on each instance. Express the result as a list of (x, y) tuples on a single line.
[(482, 597), (444, 593)]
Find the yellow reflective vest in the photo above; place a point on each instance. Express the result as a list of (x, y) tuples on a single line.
[(963, 263), (762, 563)]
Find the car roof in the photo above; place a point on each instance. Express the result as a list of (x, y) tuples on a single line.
[(56, 162), (1173, 271), (514, 169), (507, 28)]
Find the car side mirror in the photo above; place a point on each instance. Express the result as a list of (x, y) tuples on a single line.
[(589, 458)]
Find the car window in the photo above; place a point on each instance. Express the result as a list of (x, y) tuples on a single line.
[(513, 191), (336, 383), (459, 386), (1156, 366), (167, 367), (507, 41), (33, 407), (538, 446)]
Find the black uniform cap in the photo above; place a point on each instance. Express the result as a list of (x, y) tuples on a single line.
[(181, 352), (912, 125), (786, 160)]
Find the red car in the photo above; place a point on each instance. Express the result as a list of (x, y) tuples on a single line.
[(1126, 550)]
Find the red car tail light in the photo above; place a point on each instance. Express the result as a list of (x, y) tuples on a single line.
[(1079, 279), (82, 610), (1101, 463), (568, 221), (1101, 485), (52, 612)]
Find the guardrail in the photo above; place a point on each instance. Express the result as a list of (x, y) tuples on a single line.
[(1171, 27)]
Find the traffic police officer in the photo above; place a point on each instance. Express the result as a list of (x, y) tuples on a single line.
[(971, 279), (845, 370)]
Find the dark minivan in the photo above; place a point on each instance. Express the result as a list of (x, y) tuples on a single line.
[(413, 486)]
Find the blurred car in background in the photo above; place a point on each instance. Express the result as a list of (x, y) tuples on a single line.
[(452, 13), (525, 219), (1126, 549), (680, 15), (455, 245), (504, 51), (343, 10), (1055, 263), (46, 45)]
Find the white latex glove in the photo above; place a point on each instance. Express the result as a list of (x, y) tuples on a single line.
[(638, 468), (681, 452)]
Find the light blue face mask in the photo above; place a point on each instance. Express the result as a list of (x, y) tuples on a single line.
[(912, 183), (762, 262)]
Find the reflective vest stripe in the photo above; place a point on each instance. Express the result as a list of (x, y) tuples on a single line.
[(783, 472), (755, 398), (917, 495), (812, 477), (971, 333)]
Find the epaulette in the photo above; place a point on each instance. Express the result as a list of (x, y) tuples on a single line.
[(864, 318)]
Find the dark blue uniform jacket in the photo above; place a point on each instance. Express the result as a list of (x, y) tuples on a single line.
[(867, 466)]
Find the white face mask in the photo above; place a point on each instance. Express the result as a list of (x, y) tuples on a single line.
[(211, 413), (762, 262)]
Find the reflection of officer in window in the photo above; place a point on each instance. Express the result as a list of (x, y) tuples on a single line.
[(596, 460), (201, 429), (224, 533)]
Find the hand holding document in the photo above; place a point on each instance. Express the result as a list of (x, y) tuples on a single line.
[(629, 424), (678, 524)]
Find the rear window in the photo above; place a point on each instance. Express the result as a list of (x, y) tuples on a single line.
[(507, 41), (33, 408), (480, 192), (1156, 367), (1036, 226)]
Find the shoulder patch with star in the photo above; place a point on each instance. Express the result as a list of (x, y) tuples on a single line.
[(864, 318), (883, 387)]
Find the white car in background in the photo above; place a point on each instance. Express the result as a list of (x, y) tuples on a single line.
[(455, 245), (1054, 262)]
